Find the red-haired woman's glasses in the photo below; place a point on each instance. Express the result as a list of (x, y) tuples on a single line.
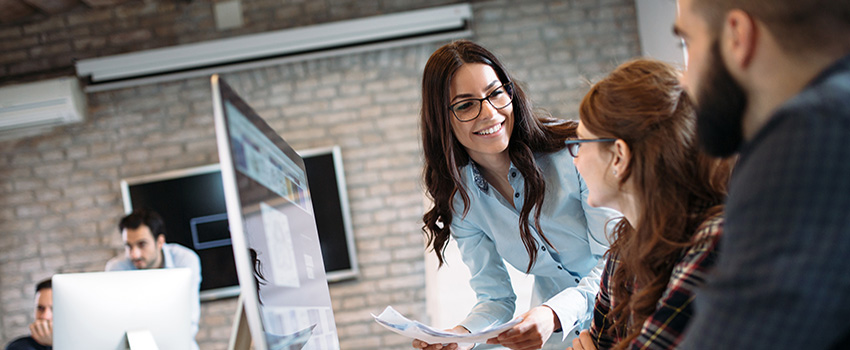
[(469, 109), (574, 144)]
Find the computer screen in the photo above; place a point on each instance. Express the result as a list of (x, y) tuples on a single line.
[(273, 231), (95, 310)]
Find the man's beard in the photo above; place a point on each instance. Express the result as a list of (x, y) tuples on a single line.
[(720, 108), (143, 264)]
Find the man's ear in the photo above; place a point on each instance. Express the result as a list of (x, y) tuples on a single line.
[(738, 39), (622, 158), (160, 240)]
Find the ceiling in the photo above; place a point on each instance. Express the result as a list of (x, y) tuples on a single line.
[(20, 11)]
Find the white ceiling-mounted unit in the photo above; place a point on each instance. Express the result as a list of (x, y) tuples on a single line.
[(26, 109), (264, 49)]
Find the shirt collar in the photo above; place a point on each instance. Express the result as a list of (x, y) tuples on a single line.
[(838, 66), (479, 180), (167, 262)]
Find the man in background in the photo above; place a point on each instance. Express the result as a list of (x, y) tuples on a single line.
[(143, 233), (771, 79), (41, 331)]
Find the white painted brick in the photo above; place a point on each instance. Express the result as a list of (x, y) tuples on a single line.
[(361, 219), (353, 329), (385, 216), (29, 265), (17, 321), (98, 257), (368, 258), (54, 263), (373, 342), (30, 210), (408, 253), (27, 184), (364, 244), (375, 272)]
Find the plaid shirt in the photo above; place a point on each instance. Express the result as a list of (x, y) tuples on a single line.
[(662, 329)]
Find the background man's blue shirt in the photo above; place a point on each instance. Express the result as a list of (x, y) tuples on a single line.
[(174, 256)]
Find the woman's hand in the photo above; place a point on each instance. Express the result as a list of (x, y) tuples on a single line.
[(583, 342), (535, 329), (418, 344)]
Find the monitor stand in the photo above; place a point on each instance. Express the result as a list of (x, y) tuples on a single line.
[(141, 340), (240, 335)]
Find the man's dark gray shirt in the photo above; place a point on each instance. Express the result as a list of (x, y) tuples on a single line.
[(783, 275)]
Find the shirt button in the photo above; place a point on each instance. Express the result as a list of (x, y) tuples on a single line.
[(560, 267), (576, 332), (544, 248), (513, 174), (516, 195), (576, 280)]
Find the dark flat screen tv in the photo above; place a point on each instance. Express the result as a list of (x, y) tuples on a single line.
[(191, 202)]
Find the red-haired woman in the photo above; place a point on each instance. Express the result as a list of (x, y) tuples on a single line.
[(637, 150)]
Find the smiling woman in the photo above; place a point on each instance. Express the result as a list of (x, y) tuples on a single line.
[(504, 187), (483, 129)]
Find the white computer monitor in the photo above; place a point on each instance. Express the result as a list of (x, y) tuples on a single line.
[(96, 310), (273, 231)]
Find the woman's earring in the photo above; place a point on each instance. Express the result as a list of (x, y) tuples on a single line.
[(615, 173)]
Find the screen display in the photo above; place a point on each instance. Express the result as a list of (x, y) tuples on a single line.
[(192, 208), (331, 213), (278, 232), (191, 203)]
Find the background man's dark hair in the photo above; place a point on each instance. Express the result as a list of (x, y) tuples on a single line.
[(45, 284), (800, 25), (143, 216)]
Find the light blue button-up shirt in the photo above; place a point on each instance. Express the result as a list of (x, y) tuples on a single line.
[(566, 278)]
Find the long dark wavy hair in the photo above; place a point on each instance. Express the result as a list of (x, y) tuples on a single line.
[(444, 155), (642, 103)]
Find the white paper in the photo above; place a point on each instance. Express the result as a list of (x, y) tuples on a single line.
[(397, 323)]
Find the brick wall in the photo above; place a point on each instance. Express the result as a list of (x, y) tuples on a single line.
[(59, 191)]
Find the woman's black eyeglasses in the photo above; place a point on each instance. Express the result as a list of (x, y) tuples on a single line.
[(574, 144), (469, 109)]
